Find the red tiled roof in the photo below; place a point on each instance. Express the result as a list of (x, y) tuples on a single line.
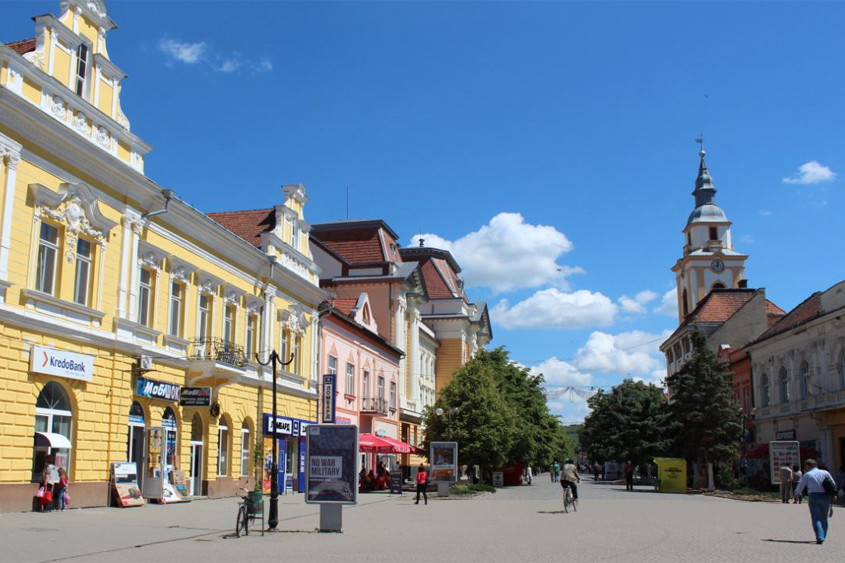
[(720, 306), (353, 245), (434, 283), (345, 305), (247, 224), (773, 309), (22, 47), (804, 312)]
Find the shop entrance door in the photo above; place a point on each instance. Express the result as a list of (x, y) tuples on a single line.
[(196, 469)]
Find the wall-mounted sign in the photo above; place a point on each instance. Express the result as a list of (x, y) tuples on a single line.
[(195, 397), (63, 364), (785, 434), (328, 410), (157, 389), (285, 426)]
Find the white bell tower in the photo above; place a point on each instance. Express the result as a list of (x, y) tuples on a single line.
[(709, 261)]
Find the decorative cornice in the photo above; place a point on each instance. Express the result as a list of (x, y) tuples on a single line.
[(149, 256), (181, 269)]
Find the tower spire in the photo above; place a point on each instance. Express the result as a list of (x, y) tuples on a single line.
[(704, 191)]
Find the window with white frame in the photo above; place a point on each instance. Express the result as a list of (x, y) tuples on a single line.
[(223, 449), (48, 249), (53, 415), (380, 387), (82, 272), (229, 323), (81, 68), (286, 347), (251, 333), (332, 367), (350, 379), (245, 448), (393, 394), (145, 296), (177, 292), (204, 321), (296, 343)]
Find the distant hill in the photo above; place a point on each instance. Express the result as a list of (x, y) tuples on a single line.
[(572, 432)]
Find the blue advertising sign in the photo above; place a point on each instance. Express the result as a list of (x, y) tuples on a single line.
[(157, 389), (331, 465), (328, 399)]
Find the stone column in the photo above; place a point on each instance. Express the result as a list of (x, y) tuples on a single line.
[(10, 157)]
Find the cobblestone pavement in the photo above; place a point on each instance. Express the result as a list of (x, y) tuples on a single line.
[(515, 524)]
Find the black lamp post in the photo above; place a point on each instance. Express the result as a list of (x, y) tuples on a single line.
[(273, 517)]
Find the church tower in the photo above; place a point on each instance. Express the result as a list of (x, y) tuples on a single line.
[(709, 261)]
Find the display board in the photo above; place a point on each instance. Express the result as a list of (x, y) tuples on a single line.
[(444, 461), (783, 453), (331, 464), (124, 477)]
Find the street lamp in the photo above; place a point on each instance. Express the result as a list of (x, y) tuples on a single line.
[(273, 517)]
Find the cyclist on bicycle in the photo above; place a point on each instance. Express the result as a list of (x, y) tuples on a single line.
[(569, 475)]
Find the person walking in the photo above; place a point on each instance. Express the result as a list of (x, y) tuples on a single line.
[(422, 484), (822, 491), (557, 471), (596, 470), (796, 477), (786, 490), (50, 478), (629, 476)]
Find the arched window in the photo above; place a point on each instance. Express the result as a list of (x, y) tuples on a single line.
[(842, 369), (245, 447), (168, 420), (718, 285), (804, 377), (53, 418), (783, 381), (135, 436), (765, 394)]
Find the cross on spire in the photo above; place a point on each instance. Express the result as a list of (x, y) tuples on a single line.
[(700, 141)]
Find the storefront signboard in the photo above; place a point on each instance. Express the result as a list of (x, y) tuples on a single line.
[(331, 454), (283, 426), (60, 363), (124, 477), (328, 409), (785, 435), (195, 397), (157, 389), (444, 461), (783, 453)]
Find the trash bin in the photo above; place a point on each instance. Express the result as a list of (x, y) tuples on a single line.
[(255, 503)]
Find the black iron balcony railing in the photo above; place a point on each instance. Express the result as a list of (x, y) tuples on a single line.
[(218, 350), (374, 405)]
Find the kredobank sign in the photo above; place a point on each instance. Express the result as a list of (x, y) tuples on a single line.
[(61, 363)]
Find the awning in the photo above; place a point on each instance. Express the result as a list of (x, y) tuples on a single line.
[(401, 447), (373, 444), (51, 440)]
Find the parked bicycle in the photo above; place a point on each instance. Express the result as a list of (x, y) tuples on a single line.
[(246, 515)]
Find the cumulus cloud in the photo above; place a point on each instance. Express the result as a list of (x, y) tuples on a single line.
[(668, 303), (508, 254), (637, 303), (553, 308), (657, 377), (570, 409), (561, 373), (178, 51), (765, 212), (812, 172), (628, 354)]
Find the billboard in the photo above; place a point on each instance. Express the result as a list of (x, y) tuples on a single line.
[(331, 464), (444, 461), (783, 453)]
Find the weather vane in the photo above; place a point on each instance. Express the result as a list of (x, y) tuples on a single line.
[(700, 141)]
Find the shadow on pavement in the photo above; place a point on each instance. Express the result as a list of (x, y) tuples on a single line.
[(551, 512), (789, 541)]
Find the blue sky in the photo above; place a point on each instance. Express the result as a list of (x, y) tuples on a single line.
[(549, 145)]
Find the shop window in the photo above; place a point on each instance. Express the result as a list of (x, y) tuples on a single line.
[(177, 292), (197, 456), (145, 297), (48, 249), (245, 448), (222, 448), (135, 436), (168, 421), (53, 421)]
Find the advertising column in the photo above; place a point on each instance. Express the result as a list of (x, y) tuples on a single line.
[(331, 479)]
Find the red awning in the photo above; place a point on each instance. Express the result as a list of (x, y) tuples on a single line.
[(374, 444), (401, 447)]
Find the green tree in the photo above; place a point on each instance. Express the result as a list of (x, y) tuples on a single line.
[(476, 416), (628, 423), (705, 419)]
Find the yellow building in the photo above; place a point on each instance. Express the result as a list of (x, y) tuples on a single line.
[(115, 295)]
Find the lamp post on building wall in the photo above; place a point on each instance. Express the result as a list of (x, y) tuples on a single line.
[(273, 517)]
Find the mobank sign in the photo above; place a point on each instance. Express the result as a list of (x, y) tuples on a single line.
[(61, 363)]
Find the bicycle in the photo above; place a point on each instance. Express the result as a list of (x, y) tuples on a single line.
[(246, 517), (569, 500)]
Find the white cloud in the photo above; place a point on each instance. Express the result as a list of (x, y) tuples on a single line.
[(189, 53), (571, 410), (765, 212), (812, 172), (626, 354), (657, 377), (200, 52), (668, 303), (553, 308), (561, 373), (508, 254), (638, 302)]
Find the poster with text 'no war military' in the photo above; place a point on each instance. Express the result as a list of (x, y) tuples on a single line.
[(331, 464)]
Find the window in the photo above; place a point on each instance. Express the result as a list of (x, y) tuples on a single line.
[(229, 324), (82, 275), (804, 376), (296, 366), (784, 385), (145, 297), (175, 327), (222, 449), (245, 449), (765, 393), (381, 387), (714, 235), (332, 369), (251, 331), (48, 248), (350, 379), (718, 285), (365, 392), (81, 68), (285, 344), (204, 322), (168, 420), (685, 303), (52, 416), (393, 394), (842, 369)]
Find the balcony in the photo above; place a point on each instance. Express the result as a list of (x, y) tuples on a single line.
[(216, 350), (374, 405)]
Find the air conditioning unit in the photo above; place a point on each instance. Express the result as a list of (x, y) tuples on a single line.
[(145, 363)]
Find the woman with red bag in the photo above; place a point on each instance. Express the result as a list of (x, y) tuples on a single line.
[(50, 477)]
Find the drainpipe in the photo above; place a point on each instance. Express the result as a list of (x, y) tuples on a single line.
[(168, 195)]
